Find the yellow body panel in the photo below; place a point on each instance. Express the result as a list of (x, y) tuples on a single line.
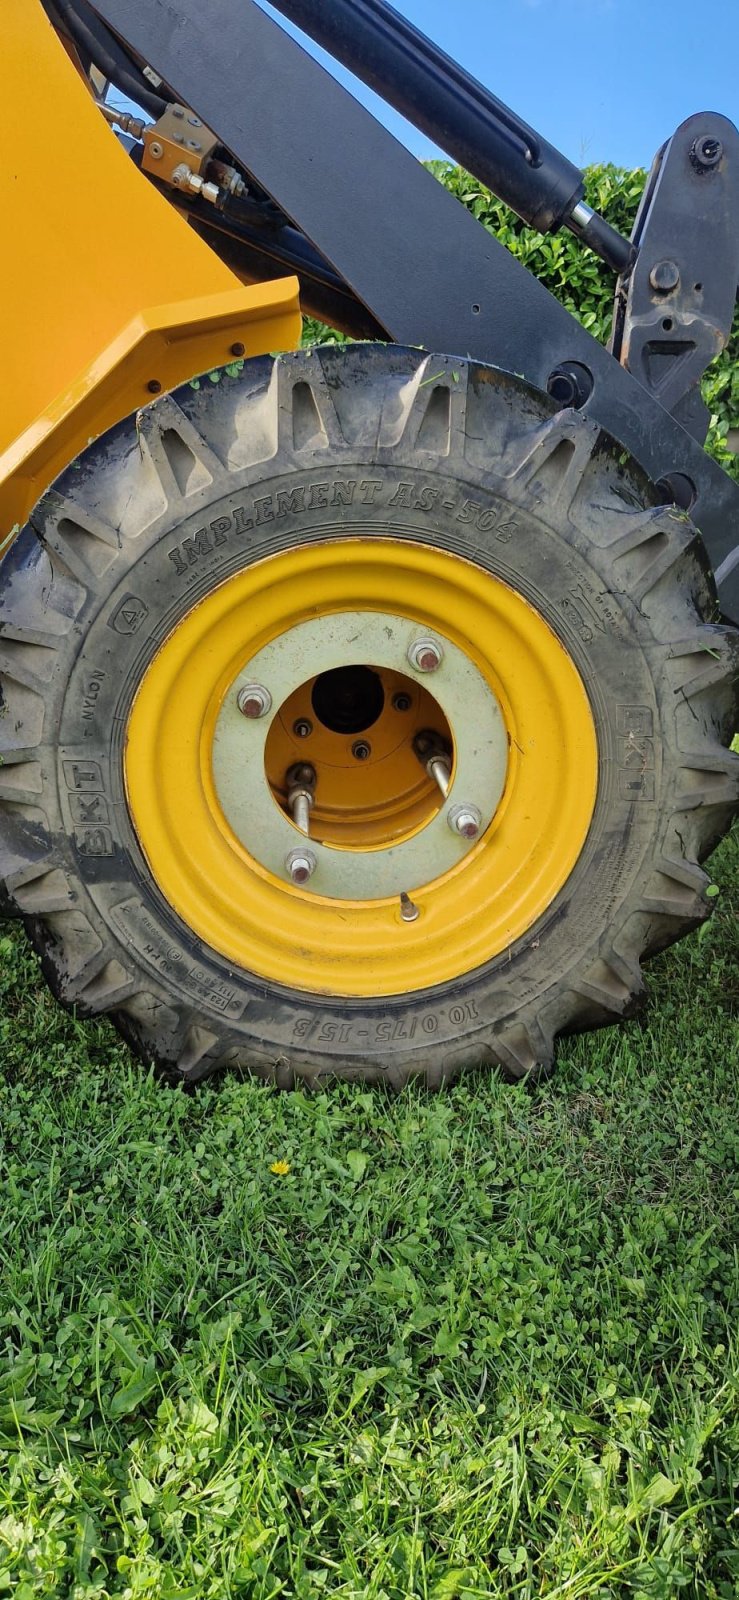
[(105, 288)]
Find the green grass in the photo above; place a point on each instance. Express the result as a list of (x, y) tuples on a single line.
[(478, 1344)]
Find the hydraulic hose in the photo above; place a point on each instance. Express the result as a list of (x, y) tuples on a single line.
[(97, 42)]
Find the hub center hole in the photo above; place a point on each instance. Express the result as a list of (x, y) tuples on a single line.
[(348, 699), (348, 737)]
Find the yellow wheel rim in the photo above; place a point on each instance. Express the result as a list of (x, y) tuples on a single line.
[(291, 935)]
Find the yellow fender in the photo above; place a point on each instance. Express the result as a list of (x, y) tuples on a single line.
[(109, 296)]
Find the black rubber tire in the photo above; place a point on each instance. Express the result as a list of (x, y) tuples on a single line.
[(474, 460)]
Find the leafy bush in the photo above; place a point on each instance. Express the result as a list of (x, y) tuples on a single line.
[(582, 283)]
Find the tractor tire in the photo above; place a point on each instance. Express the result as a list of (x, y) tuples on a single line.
[(546, 628)]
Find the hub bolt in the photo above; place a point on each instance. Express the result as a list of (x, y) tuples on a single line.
[(361, 750), (465, 820), (401, 702), (303, 728), (300, 865), (253, 701), (425, 655)]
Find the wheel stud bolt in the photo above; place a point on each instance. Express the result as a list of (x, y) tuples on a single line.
[(361, 750), (300, 865), (465, 820), (438, 769), (425, 655), (303, 728), (401, 702), (253, 701)]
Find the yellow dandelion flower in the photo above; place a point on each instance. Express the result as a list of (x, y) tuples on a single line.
[(280, 1168)]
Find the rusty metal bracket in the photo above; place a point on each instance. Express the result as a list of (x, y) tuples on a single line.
[(674, 312)]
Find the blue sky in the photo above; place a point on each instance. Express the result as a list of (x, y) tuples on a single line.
[(603, 80)]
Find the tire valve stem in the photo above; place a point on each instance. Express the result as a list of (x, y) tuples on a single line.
[(301, 794), (408, 911)]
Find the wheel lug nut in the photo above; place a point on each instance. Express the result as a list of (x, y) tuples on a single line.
[(465, 820), (361, 750), (401, 702), (253, 701), (303, 728), (425, 655), (300, 865)]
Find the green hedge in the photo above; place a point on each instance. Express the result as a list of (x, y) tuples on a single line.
[(582, 283)]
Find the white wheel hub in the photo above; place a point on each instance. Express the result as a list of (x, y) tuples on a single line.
[(381, 640)]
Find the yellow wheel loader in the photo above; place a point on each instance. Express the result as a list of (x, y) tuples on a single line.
[(365, 708)]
